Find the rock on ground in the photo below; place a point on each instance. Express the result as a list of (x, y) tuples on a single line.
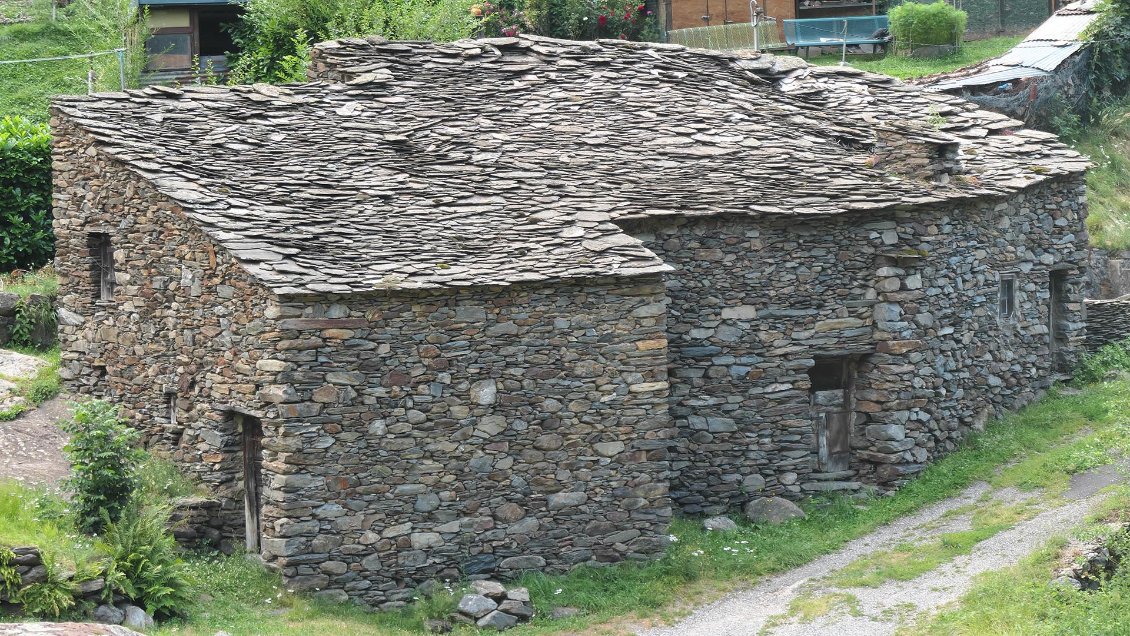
[(64, 629), (719, 524), (772, 510)]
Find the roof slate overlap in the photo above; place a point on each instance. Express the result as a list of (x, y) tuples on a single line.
[(488, 162)]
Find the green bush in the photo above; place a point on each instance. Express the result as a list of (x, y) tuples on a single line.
[(145, 564), (1093, 367), (914, 24), (104, 460), (26, 240), (273, 37)]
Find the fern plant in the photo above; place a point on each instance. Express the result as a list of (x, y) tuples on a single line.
[(144, 560), (9, 577), (51, 597)]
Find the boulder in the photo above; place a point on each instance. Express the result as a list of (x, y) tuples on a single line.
[(137, 618), (109, 615), (476, 605), (772, 510), (490, 589), (497, 620), (719, 524)]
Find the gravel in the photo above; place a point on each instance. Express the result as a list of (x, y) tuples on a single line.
[(883, 609)]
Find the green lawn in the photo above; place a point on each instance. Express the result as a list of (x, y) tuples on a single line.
[(26, 88), (905, 67)]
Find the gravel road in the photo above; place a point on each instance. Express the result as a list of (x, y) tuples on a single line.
[(882, 610)]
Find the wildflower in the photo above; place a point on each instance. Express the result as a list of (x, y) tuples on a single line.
[(642, 8), (697, 553), (266, 600), (650, 13), (623, 37), (672, 538), (558, 591)]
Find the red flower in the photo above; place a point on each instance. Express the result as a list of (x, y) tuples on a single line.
[(628, 14), (623, 37), (641, 8), (602, 20)]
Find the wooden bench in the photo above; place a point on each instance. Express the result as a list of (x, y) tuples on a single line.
[(729, 37), (837, 32)]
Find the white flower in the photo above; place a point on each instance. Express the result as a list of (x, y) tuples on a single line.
[(558, 591), (266, 600), (672, 538)]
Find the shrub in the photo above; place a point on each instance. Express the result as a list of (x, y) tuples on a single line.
[(104, 460), (145, 565), (26, 240), (913, 23), (273, 37), (1093, 367)]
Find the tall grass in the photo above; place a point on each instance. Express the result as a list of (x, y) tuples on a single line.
[(1106, 140)]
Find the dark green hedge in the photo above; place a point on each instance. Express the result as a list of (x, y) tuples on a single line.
[(26, 240)]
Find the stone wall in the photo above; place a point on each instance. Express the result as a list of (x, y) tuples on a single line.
[(1107, 321), (489, 431), (177, 346), (405, 437), (908, 298)]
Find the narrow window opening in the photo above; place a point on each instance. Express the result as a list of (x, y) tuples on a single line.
[(1007, 301), (171, 400), (101, 265)]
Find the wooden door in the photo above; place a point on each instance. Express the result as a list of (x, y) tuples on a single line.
[(252, 432), (1057, 313)]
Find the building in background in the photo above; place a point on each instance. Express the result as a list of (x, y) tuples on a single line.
[(188, 37)]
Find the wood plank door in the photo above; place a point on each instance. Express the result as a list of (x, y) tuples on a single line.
[(252, 433)]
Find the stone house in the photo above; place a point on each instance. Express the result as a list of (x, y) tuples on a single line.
[(498, 305)]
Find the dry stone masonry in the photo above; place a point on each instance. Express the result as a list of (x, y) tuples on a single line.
[(1108, 321), (480, 308)]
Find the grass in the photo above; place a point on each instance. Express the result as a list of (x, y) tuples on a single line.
[(36, 390), (36, 516), (1019, 600), (1106, 140), (26, 89), (908, 561), (42, 281), (906, 67), (700, 563), (808, 607)]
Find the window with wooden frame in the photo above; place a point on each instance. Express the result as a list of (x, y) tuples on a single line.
[(101, 254), (1006, 301)]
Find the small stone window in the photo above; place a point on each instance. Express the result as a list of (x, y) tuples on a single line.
[(171, 399), (1006, 305), (101, 265)]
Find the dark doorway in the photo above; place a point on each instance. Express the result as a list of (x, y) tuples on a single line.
[(1057, 314), (832, 412), (252, 434), (212, 27)]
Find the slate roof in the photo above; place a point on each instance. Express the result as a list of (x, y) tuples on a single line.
[(499, 161)]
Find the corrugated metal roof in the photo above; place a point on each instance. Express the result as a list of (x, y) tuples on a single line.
[(993, 75), (1041, 53), (1062, 27), (1046, 58)]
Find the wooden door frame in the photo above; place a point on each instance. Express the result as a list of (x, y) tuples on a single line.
[(250, 430)]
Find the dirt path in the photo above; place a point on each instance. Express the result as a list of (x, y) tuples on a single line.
[(31, 446), (873, 611)]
